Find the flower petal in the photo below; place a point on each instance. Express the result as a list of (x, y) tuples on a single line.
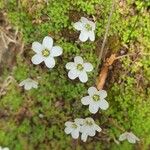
[(92, 35), (27, 86), (84, 137), (56, 51), (83, 36), (123, 137), (89, 119), (35, 85), (37, 47), (68, 123), (78, 60), (93, 25), (97, 128), (83, 128), (79, 121), (50, 62), (34, 82), (102, 94), (88, 67), (91, 131), (86, 100), (68, 130), (37, 59), (93, 108), (78, 25), (73, 73), (137, 139), (75, 134), (48, 42), (84, 20), (70, 65), (132, 138), (92, 91), (103, 104), (22, 83), (6, 148), (83, 77)]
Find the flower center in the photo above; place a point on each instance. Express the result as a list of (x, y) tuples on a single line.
[(88, 27), (80, 67), (96, 97), (45, 52), (74, 126), (89, 123)]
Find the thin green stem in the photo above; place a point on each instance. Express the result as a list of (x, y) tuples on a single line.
[(106, 32)]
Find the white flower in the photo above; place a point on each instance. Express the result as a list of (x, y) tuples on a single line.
[(41, 116), (5, 148), (73, 128), (88, 128), (29, 84), (95, 100), (129, 136), (45, 52), (78, 69), (87, 29)]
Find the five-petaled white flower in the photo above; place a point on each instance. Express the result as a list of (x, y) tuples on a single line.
[(29, 84), (78, 69), (45, 52), (128, 136), (89, 128), (87, 29), (5, 148), (73, 128), (95, 100)]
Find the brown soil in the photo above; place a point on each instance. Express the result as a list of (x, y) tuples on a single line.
[(10, 44)]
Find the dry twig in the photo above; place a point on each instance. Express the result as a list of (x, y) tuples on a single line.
[(109, 61), (103, 74)]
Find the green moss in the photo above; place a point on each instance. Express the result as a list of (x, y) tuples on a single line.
[(58, 98)]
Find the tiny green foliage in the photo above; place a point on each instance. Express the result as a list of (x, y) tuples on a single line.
[(35, 119)]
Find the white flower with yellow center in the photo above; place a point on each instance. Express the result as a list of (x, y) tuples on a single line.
[(73, 128), (5, 148), (87, 29), (95, 100), (79, 69), (128, 136), (45, 52), (29, 84), (88, 128)]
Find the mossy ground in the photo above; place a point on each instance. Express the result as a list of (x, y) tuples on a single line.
[(58, 98)]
